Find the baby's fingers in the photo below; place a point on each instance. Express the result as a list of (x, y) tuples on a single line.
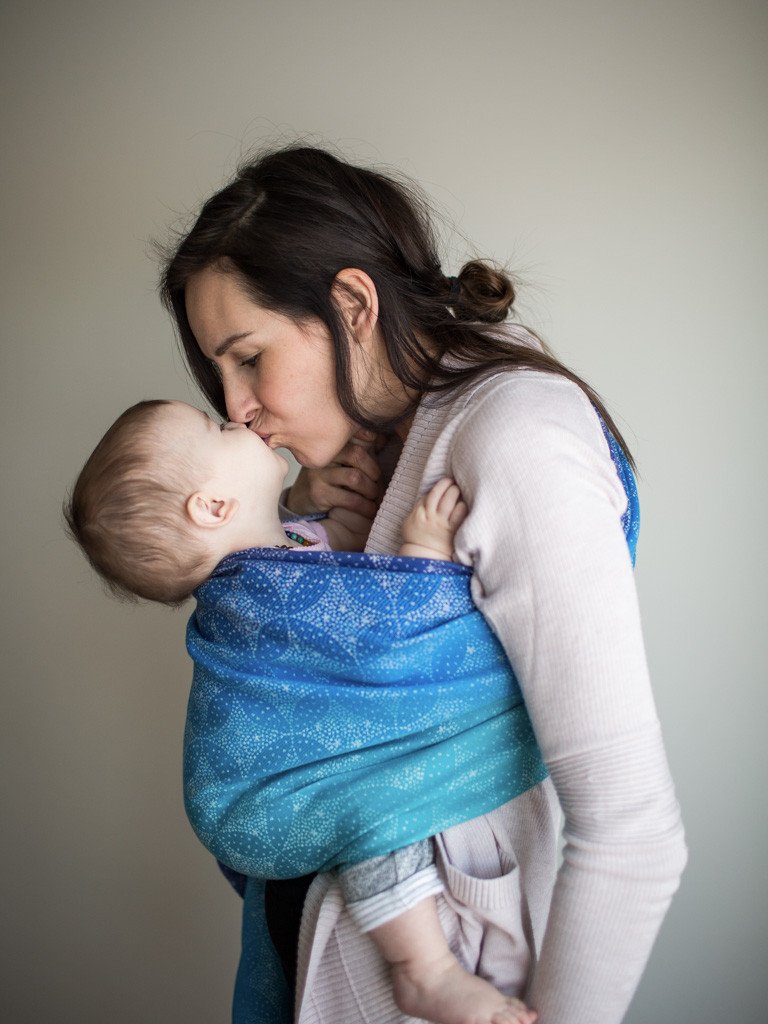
[(458, 515), (435, 495), (449, 498)]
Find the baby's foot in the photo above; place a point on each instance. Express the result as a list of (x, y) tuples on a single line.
[(447, 994), (429, 530)]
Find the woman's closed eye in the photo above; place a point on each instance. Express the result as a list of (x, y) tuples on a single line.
[(251, 361)]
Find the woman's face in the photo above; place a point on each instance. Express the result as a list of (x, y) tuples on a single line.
[(277, 377)]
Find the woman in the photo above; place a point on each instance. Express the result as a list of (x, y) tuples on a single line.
[(311, 304)]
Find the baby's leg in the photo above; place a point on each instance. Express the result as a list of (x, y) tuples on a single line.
[(429, 530), (391, 898), (428, 981)]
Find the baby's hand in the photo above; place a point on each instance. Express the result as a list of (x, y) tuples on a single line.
[(429, 530)]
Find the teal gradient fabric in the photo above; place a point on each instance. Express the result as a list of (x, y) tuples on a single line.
[(344, 705)]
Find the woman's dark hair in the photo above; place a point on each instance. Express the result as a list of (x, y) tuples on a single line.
[(291, 220)]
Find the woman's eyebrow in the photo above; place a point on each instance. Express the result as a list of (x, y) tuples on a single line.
[(228, 342)]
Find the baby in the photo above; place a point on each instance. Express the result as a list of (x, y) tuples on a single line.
[(165, 496)]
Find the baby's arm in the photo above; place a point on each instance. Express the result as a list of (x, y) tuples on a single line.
[(429, 530)]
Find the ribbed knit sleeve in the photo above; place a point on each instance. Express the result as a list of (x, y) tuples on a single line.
[(553, 577)]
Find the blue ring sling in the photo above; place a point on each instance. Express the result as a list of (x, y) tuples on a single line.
[(342, 706)]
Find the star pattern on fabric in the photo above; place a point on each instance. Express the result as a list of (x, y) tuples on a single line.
[(335, 695)]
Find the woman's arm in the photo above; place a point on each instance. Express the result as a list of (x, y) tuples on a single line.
[(553, 577)]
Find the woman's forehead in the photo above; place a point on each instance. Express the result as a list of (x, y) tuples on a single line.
[(215, 289), (219, 310)]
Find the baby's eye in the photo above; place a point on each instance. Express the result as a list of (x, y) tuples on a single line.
[(251, 361)]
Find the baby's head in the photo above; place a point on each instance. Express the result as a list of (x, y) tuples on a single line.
[(166, 494)]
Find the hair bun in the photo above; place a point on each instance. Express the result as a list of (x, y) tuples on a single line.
[(485, 293)]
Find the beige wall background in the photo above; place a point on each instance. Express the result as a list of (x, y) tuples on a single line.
[(615, 154)]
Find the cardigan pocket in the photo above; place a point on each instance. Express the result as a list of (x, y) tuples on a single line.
[(486, 895), (485, 922)]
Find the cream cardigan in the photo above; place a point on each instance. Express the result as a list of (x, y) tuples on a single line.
[(553, 577)]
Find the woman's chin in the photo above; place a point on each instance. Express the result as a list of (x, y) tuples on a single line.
[(316, 457), (311, 461)]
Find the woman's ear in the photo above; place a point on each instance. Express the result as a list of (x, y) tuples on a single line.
[(356, 297), (211, 513)]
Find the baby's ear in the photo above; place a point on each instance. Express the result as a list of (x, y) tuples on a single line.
[(209, 512)]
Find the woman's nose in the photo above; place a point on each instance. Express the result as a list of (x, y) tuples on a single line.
[(242, 407)]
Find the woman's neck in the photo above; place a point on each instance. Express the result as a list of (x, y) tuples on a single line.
[(403, 429)]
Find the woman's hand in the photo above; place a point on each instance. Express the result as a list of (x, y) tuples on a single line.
[(347, 531), (351, 481)]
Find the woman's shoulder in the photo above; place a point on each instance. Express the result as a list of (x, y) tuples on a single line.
[(530, 435), (521, 404)]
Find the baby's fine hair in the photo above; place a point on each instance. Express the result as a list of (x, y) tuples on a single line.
[(126, 511)]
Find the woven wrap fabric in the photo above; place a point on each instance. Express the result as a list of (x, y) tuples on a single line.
[(630, 520), (343, 705)]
